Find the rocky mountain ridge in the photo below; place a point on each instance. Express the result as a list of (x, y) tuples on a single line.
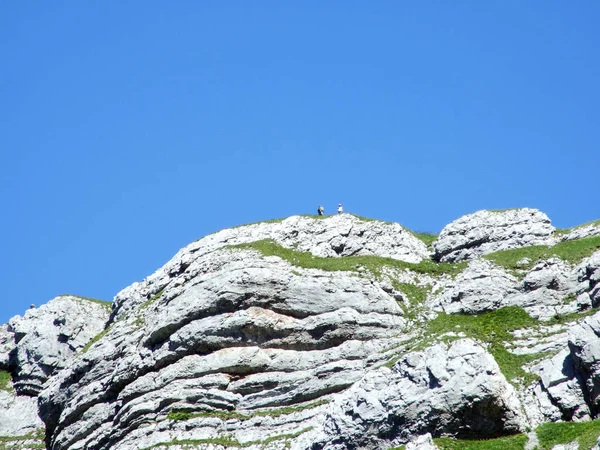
[(324, 333)]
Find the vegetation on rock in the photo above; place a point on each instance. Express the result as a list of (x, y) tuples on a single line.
[(554, 433), (521, 259), (516, 442), (5, 381), (104, 303), (228, 441), (176, 415), (374, 264), (492, 328)]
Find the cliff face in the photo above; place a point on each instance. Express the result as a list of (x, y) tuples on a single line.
[(321, 333)]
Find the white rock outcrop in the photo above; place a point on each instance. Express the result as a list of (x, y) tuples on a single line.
[(481, 287), (49, 337), (35, 347), (485, 232), (582, 231), (333, 236), (224, 347), (244, 332), (454, 389)]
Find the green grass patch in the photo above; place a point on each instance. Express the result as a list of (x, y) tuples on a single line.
[(279, 220), (374, 264), (95, 339), (176, 415), (554, 433), (151, 300), (492, 328), (17, 442), (427, 238), (228, 441), (316, 216), (106, 304), (5, 381), (560, 319), (516, 442), (368, 219), (571, 251), (416, 297)]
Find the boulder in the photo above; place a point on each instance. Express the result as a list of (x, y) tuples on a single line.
[(484, 232), (588, 276), (454, 389), (423, 442), (47, 339), (547, 290), (481, 287)]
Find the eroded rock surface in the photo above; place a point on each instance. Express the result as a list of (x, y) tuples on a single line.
[(334, 236), (481, 287), (244, 332), (454, 389), (48, 338), (588, 275), (485, 232), (226, 347), (33, 348), (583, 231)]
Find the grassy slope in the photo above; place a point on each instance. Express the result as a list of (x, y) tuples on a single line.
[(374, 264), (585, 433), (5, 381), (504, 443), (571, 251)]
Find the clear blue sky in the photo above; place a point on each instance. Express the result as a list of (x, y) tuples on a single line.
[(129, 129)]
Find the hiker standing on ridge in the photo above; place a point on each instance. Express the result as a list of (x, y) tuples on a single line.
[(340, 209), (321, 210)]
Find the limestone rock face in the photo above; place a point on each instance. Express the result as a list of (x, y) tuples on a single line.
[(224, 347), (588, 275), (456, 389), (333, 236), (18, 414), (544, 291), (481, 287), (48, 338), (485, 232), (547, 290), (584, 348), (244, 332), (35, 347)]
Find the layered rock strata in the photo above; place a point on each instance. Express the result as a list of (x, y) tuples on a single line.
[(225, 347)]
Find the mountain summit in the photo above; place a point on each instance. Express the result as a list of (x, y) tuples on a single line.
[(324, 333)]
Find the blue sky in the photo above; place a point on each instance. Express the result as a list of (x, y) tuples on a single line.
[(129, 129)]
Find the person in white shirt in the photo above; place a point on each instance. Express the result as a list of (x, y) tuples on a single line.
[(340, 209)]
